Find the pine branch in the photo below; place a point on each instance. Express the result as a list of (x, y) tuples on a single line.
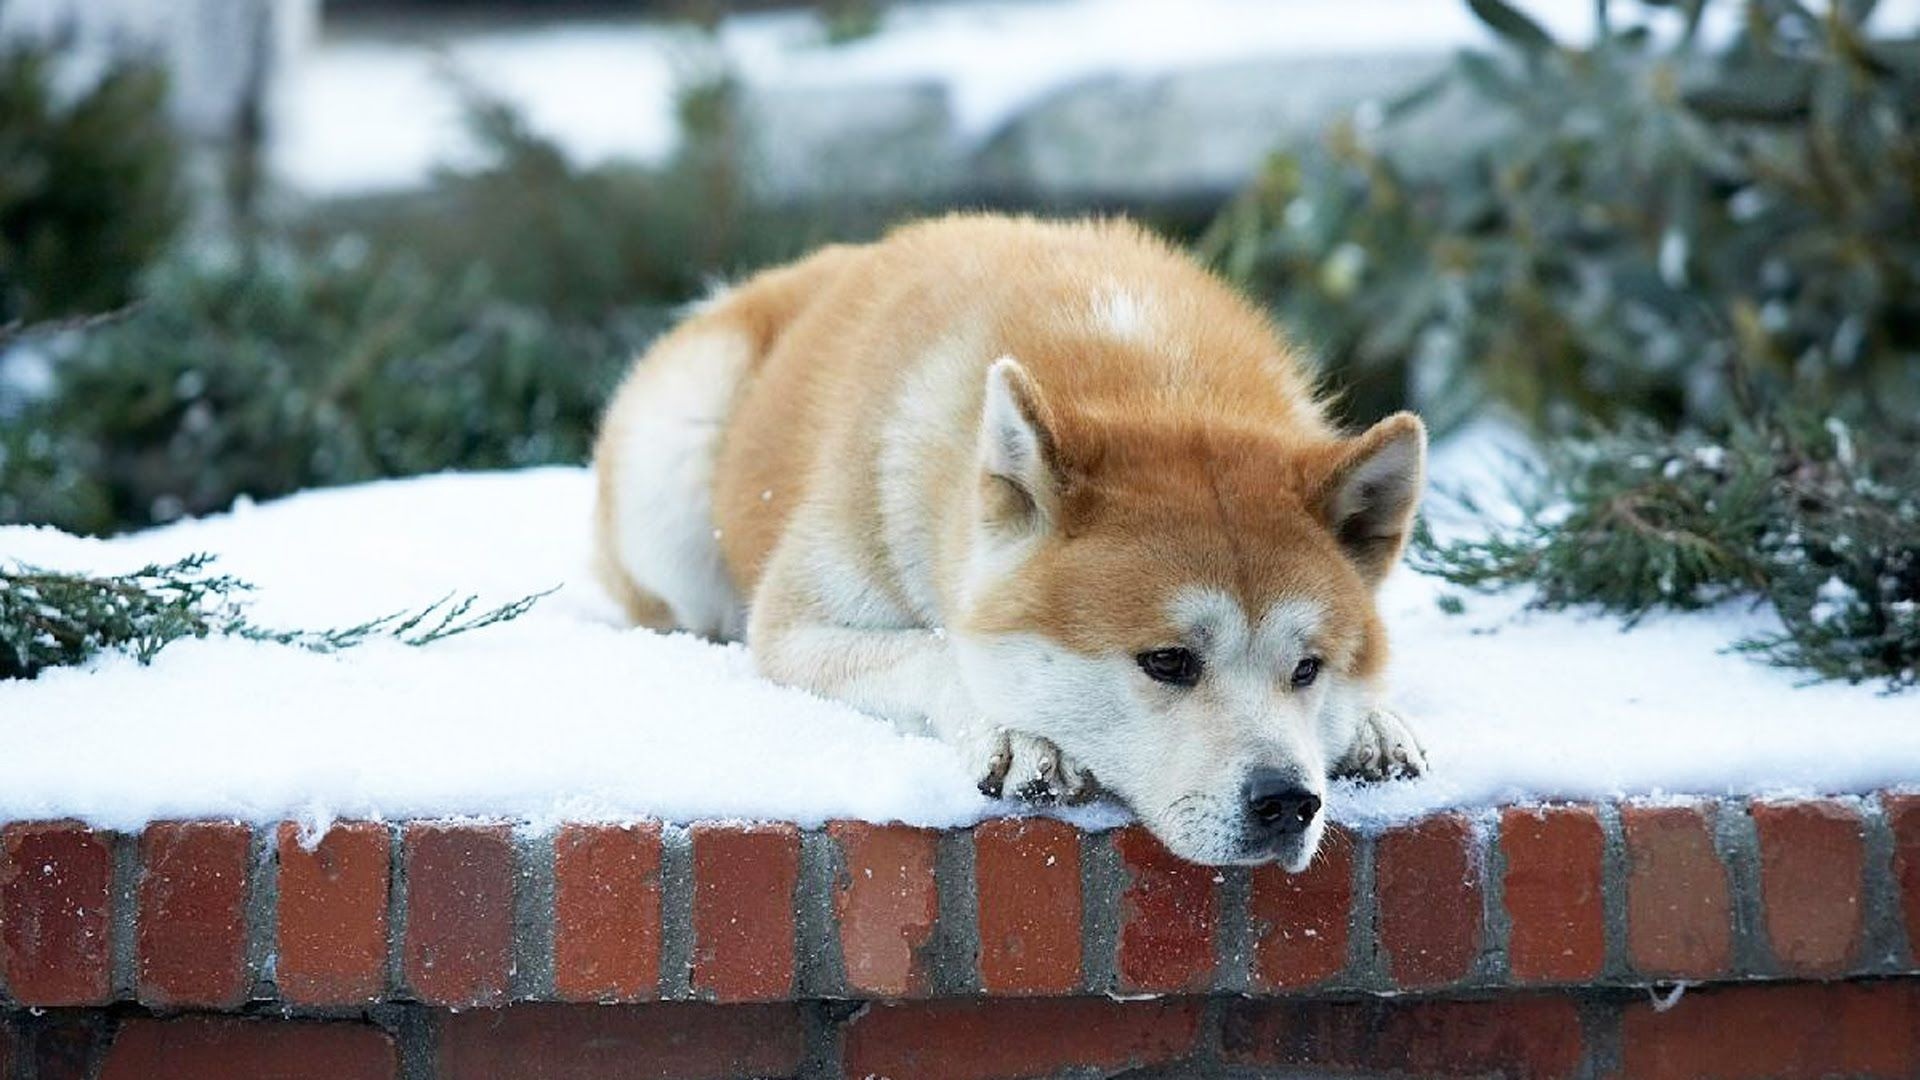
[(402, 626), (51, 619), (1788, 511)]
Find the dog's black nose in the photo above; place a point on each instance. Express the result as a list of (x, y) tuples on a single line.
[(1277, 802)]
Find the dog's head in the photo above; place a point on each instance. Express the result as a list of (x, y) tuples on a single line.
[(1185, 606)]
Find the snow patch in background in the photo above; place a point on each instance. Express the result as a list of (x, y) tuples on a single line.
[(563, 714), (359, 114)]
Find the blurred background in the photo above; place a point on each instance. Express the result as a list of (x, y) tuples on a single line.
[(253, 246)]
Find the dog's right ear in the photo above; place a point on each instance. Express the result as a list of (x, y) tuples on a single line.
[(1020, 477), (1370, 497)]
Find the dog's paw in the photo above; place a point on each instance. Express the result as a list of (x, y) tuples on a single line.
[(1384, 748), (1017, 765)]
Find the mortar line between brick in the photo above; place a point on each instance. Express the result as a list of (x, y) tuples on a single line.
[(1494, 965), (1883, 945), (1208, 1046), (1600, 1034), (124, 924), (1736, 840), (822, 1024), (532, 976), (676, 913), (1366, 962), (262, 913), (26, 1049), (1233, 933), (1103, 883), (1613, 893), (956, 969), (416, 1038), (397, 911), (821, 967)]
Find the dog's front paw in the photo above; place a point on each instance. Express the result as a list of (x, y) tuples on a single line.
[(1384, 748), (1013, 763)]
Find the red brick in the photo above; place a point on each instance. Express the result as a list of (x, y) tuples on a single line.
[(333, 914), (204, 1047), (1167, 917), (1520, 1038), (606, 912), (1427, 887), (1012, 1038), (1785, 1031), (1026, 875), (1903, 817), (660, 1041), (1812, 861), (1300, 921), (743, 883), (886, 905), (56, 880), (1678, 912), (1554, 891), (459, 939), (663, 1040), (192, 917)]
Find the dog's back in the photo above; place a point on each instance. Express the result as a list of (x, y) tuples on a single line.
[(854, 378), (656, 535)]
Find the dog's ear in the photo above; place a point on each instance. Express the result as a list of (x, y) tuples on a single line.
[(1370, 496), (1019, 458)]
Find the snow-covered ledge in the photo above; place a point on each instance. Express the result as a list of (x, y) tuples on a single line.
[(250, 859)]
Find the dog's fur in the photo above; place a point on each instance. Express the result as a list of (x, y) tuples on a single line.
[(964, 477)]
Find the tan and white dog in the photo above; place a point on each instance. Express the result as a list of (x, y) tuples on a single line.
[(1049, 491)]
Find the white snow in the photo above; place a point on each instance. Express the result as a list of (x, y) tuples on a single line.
[(1832, 601), (565, 715), (560, 714), (361, 114)]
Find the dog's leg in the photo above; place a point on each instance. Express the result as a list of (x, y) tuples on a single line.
[(850, 645), (1384, 747)]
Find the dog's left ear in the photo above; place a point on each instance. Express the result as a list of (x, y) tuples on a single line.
[(1019, 457), (1369, 498)]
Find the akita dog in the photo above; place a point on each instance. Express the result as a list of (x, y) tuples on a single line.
[(1047, 490)]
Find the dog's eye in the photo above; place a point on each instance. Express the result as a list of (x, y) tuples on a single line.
[(1177, 667), (1305, 672)]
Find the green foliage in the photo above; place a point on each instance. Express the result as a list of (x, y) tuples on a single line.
[(272, 371), (1622, 229), (851, 20), (569, 241), (1820, 521), (575, 242), (1666, 241), (89, 188), (482, 325), (50, 619)]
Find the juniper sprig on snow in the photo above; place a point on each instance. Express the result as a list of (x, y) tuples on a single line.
[(1819, 521), (50, 618)]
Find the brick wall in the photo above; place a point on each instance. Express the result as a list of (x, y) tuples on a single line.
[(1526, 942), (1784, 1030)]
